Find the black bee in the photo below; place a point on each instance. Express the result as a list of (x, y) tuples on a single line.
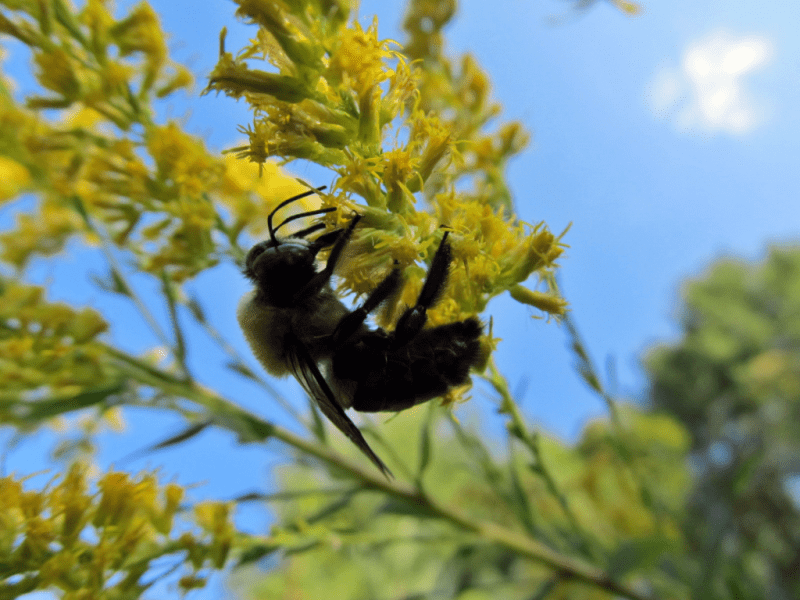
[(296, 324)]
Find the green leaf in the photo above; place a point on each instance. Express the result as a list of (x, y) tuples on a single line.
[(171, 294), (333, 507), (256, 553), (41, 410), (476, 449), (520, 503), (184, 435), (746, 470), (242, 369), (637, 554), (425, 441), (80, 208), (317, 422), (394, 506), (196, 309), (113, 283)]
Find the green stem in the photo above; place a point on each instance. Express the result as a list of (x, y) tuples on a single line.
[(518, 428)]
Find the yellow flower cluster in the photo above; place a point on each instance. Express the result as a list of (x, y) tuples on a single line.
[(45, 348), (102, 169), (336, 94), (91, 544)]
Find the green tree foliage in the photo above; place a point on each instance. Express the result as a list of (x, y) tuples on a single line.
[(733, 380)]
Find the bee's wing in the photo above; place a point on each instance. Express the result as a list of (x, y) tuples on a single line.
[(309, 376)]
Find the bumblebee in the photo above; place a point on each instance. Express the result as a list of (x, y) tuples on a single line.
[(296, 324)]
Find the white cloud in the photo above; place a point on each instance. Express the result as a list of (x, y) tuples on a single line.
[(707, 92)]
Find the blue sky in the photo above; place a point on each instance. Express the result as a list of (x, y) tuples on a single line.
[(667, 141)]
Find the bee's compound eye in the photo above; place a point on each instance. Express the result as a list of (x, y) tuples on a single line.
[(255, 252)]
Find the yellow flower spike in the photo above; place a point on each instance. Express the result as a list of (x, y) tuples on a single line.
[(140, 31), (55, 571), (215, 519), (359, 60), (86, 325), (174, 495), (403, 86), (128, 540), (40, 531), (146, 494), (539, 251), (14, 177), (329, 126), (161, 517), (196, 552), (251, 196), (455, 396), (17, 349), (71, 501), (96, 16), (360, 175), (436, 141), (375, 119), (182, 78), (290, 32), (399, 166), (403, 250), (549, 303), (182, 160), (116, 491), (11, 518), (57, 73)]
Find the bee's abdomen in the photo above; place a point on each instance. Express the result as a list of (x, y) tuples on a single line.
[(391, 379)]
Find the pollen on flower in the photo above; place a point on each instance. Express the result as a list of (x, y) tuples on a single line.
[(404, 250), (359, 175), (465, 247), (360, 58), (483, 272), (398, 167)]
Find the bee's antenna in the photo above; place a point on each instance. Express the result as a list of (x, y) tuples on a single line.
[(304, 232), (319, 211), (284, 203)]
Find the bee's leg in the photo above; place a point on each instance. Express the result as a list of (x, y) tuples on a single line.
[(414, 318), (319, 280), (350, 323)]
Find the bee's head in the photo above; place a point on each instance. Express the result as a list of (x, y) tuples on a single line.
[(280, 267), (274, 262)]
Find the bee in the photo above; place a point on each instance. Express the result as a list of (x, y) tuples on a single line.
[(295, 324)]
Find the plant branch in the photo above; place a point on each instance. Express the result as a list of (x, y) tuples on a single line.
[(251, 428)]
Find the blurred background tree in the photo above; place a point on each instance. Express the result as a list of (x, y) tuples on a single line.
[(733, 381)]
